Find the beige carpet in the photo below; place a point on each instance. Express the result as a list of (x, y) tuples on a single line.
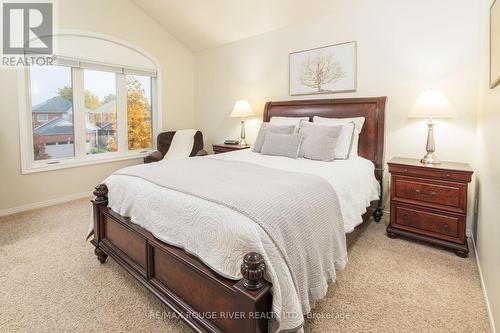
[(50, 280)]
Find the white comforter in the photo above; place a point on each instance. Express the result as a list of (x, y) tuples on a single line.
[(220, 237)]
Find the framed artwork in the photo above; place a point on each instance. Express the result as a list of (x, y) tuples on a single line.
[(323, 70), (494, 44)]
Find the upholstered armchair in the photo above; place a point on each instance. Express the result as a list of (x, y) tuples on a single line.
[(163, 142)]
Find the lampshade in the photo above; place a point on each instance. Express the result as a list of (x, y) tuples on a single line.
[(432, 103), (242, 109)]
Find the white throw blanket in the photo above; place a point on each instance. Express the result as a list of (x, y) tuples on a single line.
[(182, 145), (299, 212)]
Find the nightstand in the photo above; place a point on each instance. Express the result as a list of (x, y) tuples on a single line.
[(223, 148), (429, 202)]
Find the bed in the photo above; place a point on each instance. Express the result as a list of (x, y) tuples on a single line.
[(205, 293)]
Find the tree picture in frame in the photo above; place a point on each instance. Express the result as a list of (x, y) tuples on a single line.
[(323, 70), (494, 44)]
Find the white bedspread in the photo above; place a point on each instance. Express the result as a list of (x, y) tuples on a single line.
[(220, 237)]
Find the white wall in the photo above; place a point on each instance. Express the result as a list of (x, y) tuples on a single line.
[(488, 175), (119, 19), (403, 48)]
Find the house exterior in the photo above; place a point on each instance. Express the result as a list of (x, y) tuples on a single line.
[(105, 133), (102, 115), (55, 107), (57, 135), (53, 130)]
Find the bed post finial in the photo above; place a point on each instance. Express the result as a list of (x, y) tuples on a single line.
[(101, 194), (253, 269)]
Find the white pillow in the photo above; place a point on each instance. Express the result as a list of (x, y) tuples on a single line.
[(287, 145), (344, 139), (283, 121), (319, 141), (358, 126), (267, 127)]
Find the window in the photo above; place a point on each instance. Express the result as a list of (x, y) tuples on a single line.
[(85, 112), (140, 130), (51, 94), (42, 118), (100, 111)]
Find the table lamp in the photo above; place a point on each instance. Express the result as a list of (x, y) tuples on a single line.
[(241, 110), (431, 104)]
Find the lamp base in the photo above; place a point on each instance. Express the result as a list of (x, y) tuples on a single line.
[(429, 158), (243, 142)]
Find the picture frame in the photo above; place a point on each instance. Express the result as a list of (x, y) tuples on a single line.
[(494, 44), (323, 70)]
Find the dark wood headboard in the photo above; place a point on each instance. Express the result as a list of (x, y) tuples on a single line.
[(371, 140)]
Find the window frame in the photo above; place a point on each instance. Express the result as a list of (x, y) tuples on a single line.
[(30, 165)]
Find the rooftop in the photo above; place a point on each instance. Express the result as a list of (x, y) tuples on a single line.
[(56, 104), (61, 126)]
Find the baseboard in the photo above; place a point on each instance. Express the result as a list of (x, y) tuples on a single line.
[(483, 287), (51, 202)]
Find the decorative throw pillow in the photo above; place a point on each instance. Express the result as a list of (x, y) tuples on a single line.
[(267, 127), (295, 121), (287, 145), (345, 141), (358, 126), (318, 141)]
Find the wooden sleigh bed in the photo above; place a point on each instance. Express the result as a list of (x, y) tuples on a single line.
[(189, 287)]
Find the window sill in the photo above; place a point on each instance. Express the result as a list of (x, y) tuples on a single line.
[(78, 162)]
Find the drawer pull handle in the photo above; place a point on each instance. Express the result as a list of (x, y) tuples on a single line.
[(425, 194), (406, 170), (448, 175), (445, 227), (405, 217)]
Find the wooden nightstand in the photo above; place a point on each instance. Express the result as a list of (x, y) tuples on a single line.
[(223, 148), (429, 202)]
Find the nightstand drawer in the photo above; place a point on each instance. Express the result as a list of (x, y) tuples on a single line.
[(430, 172), (218, 150), (438, 194), (429, 223)]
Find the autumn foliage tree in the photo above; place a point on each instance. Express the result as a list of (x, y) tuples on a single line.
[(91, 100), (138, 118), (138, 115), (112, 144)]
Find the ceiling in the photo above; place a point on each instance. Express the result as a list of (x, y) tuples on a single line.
[(202, 24)]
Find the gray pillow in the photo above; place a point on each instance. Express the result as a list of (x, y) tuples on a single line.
[(318, 141), (282, 144), (267, 127)]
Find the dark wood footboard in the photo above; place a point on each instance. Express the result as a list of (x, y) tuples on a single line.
[(205, 300)]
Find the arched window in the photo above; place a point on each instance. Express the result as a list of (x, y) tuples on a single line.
[(96, 102)]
